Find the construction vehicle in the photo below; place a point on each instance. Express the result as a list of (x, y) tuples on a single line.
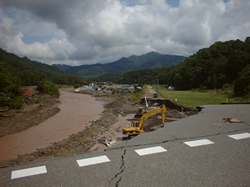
[(137, 126), (155, 95)]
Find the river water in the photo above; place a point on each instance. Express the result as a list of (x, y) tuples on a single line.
[(76, 111)]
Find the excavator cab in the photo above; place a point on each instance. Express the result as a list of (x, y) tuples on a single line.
[(135, 124)]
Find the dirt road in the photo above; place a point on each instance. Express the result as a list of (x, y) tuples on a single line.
[(150, 92)]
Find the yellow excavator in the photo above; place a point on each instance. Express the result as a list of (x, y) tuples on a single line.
[(137, 126)]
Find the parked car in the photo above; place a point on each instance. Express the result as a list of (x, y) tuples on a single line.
[(155, 95)]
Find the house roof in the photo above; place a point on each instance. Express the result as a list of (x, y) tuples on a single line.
[(27, 91)]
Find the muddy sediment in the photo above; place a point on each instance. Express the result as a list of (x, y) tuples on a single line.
[(29, 115)]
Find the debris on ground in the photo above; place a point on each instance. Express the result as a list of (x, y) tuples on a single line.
[(231, 120), (108, 142)]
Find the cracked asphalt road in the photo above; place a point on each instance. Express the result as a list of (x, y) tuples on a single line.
[(118, 177), (225, 162)]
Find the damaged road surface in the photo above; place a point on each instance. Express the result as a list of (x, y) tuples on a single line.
[(192, 151), (118, 177)]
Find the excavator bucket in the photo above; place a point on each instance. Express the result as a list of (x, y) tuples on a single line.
[(140, 111)]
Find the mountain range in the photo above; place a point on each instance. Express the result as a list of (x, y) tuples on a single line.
[(132, 63)]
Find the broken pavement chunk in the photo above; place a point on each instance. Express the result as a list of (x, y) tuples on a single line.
[(231, 120), (108, 142)]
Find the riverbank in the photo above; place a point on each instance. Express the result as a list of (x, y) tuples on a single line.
[(98, 116)]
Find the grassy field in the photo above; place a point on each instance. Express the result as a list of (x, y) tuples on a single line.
[(192, 98)]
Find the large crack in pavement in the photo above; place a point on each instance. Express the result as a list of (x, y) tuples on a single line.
[(177, 139), (118, 177)]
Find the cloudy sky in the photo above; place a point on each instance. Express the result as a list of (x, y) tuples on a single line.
[(77, 32)]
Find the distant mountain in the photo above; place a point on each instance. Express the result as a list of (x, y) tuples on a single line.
[(18, 65), (27, 72), (132, 63), (62, 67)]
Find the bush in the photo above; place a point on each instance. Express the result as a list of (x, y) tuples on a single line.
[(15, 102), (115, 90), (38, 101), (202, 88), (228, 90), (227, 86), (48, 87), (136, 88), (76, 86)]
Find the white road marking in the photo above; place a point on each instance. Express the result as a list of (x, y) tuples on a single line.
[(198, 142), (151, 150), (28, 172), (240, 136), (93, 160)]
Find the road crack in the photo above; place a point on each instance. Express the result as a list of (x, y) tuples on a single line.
[(118, 176), (179, 139)]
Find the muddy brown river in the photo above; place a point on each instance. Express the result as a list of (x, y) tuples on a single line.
[(76, 111)]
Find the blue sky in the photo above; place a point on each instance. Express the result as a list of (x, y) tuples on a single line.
[(99, 31), (173, 3)]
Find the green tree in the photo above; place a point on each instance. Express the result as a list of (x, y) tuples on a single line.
[(76, 85), (10, 93), (48, 87), (242, 84)]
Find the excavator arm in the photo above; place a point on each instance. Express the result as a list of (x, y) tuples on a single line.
[(137, 127), (153, 112)]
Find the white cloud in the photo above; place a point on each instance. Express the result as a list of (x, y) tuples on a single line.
[(12, 40), (99, 31)]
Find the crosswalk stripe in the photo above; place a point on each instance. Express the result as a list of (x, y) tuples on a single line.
[(93, 160), (240, 136), (151, 150), (28, 172), (196, 143)]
